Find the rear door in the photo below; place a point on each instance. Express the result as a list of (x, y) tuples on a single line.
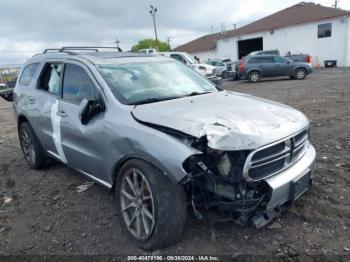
[(83, 145), (43, 102), (267, 65)]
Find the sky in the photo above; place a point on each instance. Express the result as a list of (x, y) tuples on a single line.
[(28, 27)]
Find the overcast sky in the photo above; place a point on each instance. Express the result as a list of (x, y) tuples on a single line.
[(27, 26)]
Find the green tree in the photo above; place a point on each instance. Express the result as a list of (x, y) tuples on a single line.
[(151, 43)]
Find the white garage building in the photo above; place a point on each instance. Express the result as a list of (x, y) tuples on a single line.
[(308, 28)]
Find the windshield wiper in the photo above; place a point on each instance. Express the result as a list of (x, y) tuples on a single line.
[(197, 93), (152, 100), (155, 99)]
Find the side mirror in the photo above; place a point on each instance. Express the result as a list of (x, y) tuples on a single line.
[(88, 108)]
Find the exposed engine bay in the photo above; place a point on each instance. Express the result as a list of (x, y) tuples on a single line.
[(215, 181)]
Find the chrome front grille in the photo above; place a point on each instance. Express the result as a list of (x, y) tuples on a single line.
[(271, 159)]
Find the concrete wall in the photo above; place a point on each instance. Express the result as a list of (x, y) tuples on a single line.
[(203, 56), (347, 46), (296, 39)]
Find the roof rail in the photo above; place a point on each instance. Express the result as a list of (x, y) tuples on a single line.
[(91, 48), (69, 49), (49, 50)]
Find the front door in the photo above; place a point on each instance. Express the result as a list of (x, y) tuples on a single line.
[(281, 65), (83, 145)]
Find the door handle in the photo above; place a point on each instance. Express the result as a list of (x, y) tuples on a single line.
[(31, 100), (61, 113)]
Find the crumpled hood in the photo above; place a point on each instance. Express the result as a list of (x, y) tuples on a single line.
[(229, 120)]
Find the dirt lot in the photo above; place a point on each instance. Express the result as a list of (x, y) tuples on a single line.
[(48, 216)]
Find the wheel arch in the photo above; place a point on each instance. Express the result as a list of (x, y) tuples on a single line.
[(120, 162), (254, 70), (300, 67)]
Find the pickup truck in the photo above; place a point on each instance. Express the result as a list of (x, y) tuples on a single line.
[(204, 69)]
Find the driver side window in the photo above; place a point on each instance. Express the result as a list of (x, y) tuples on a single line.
[(77, 84)]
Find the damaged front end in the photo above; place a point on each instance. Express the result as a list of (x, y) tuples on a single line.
[(215, 180), (248, 185)]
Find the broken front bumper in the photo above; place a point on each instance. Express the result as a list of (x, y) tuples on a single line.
[(291, 183)]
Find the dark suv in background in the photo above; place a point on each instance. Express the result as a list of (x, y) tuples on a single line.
[(254, 68)]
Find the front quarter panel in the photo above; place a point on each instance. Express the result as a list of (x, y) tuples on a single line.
[(131, 139)]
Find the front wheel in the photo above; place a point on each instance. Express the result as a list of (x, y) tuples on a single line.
[(152, 208), (300, 74), (224, 75), (254, 76)]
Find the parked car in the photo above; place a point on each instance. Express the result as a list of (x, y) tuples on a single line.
[(305, 58), (224, 70), (254, 68), (6, 92), (265, 52), (154, 133), (204, 69)]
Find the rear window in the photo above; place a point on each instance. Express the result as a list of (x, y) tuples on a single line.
[(27, 74)]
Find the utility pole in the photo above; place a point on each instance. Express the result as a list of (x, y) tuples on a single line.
[(168, 40), (153, 12), (336, 3), (117, 41)]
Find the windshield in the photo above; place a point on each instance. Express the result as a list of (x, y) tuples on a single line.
[(150, 82), (190, 58)]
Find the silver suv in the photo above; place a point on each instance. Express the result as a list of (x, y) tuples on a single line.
[(162, 139)]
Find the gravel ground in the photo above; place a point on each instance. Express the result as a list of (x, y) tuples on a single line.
[(41, 212)]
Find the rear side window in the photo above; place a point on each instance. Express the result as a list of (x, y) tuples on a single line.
[(253, 60), (267, 59), (50, 77), (77, 84), (27, 74)]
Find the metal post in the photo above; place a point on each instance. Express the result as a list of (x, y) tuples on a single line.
[(153, 12)]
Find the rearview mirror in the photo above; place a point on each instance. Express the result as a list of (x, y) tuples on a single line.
[(88, 108)]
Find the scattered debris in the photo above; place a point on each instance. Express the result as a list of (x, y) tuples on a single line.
[(274, 225), (8, 200), (85, 186), (48, 228)]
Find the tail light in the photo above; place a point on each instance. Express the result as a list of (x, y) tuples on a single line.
[(308, 59), (241, 67)]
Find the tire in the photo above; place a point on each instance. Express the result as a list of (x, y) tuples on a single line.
[(300, 74), (164, 200), (224, 75), (254, 76), (31, 147)]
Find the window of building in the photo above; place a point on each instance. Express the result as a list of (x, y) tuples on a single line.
[(324, 30), (49, 80), (27, 74), (77, 84)]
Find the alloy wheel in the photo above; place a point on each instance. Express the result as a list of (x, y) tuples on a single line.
[(300, 74), (254, 77), (28, 147), (137, 204)]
